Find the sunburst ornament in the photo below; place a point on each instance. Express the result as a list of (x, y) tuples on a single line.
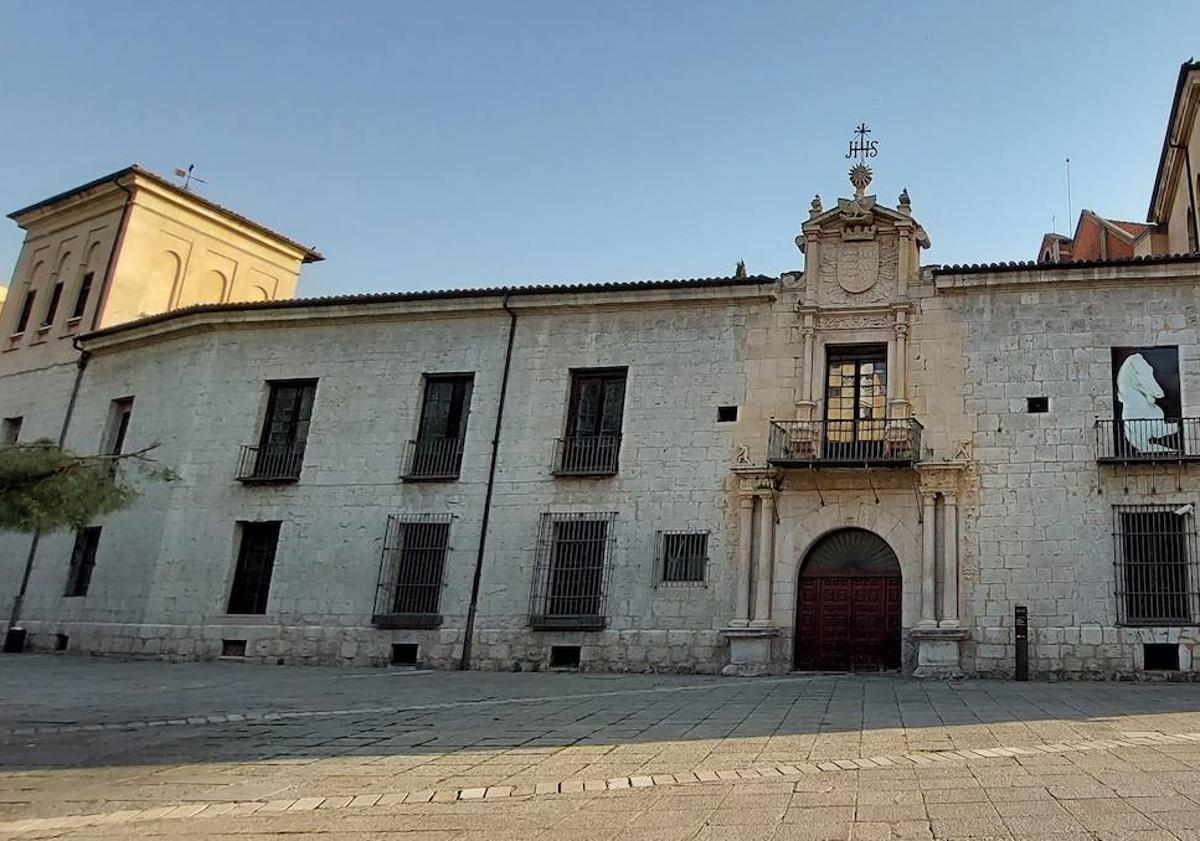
[(860, 177)]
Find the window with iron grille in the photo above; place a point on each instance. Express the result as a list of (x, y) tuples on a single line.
[(83, 561), (411, 571), (682, 557), (437, 451), (255, 563), (1156, 574), (279, 454), (571, 571)]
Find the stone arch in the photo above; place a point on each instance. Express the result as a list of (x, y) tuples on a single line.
[(164, 278), (849, 603), (257, 293), (64, 266)]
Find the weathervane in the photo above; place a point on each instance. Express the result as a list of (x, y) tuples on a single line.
[(188, 178), (861, 148)]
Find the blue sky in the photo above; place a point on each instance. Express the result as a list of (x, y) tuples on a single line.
[(432, 145)]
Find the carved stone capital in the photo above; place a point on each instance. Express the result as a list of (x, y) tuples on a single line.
[(941, 477), (756, 480)]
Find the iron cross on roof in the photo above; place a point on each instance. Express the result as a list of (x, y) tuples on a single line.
[(861, 147)]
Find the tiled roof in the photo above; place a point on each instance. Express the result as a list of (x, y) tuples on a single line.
[(1134, 229), (311, 255), (440, 294), (1029, 265)]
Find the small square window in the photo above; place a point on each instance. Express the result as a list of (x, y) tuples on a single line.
[(727, 414), (1037, 405), (564, 656), (404, 654), (682, 557), (1160, 657), (233, 648)]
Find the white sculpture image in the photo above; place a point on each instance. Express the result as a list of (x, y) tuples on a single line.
[(1142, 418)]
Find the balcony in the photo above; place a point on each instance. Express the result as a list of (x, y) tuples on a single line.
[(433, 460), (587, 455), (1147, 440), (265, 465), (880, 442)]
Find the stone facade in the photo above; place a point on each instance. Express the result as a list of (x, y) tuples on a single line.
[(886, 462)]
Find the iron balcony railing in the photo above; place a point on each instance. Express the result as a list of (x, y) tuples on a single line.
[(587, 455), (431, 459), (1148, 439), (886, 442), (270, 463)]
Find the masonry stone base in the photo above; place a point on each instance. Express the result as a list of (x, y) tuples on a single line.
[(503, 649), (938, 655), (749, 651)]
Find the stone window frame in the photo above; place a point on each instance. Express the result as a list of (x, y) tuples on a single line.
[(695, 566)]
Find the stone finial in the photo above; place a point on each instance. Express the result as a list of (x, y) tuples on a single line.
[(905, 202), (860, 177), (815, 209)]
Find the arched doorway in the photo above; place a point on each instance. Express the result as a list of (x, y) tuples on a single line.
[(848, 604)]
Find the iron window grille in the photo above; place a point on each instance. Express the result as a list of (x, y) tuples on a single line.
[(1156, 573), (682, 557), (83, 561), (411, 571), (571, 571)]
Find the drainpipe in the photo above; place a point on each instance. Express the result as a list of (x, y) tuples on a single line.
[(14, 639), (469, 631)]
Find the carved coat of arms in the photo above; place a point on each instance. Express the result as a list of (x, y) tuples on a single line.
[(858, 266)]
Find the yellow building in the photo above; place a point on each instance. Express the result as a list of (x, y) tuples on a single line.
[(128, 245), (1175, 202)]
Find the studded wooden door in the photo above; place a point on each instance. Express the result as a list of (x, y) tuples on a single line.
[(848, 623)]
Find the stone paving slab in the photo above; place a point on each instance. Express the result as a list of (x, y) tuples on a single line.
[(223, 750)]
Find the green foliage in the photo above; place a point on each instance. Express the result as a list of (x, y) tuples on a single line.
[(44, 488), (740, 271)]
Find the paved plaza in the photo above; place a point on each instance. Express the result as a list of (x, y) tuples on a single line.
[(92, 749)]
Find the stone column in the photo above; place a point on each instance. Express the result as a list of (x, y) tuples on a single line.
[(741, 611), (949, 561), (901, 371), (928, 560), (766, 560)]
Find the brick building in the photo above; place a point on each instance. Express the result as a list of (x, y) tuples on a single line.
[(865, 464)]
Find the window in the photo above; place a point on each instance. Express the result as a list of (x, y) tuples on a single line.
[(26, 310), (682, 556), (727, 414), (410, 574), (280, 451), (437, 451), (52, 307), (81, 299), (593, 439), (1193, 245), (570, 571), (83, 559), (1156, 569), (1037, 405), (119, 413), (256, 560), (855, 400), (11, 430)]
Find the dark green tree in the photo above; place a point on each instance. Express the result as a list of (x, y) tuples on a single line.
[(44, 487), (740, 271)]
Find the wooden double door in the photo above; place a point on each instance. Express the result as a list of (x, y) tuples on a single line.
[(848, 622)]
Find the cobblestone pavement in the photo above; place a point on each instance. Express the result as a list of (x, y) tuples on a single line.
[(93, 749)]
